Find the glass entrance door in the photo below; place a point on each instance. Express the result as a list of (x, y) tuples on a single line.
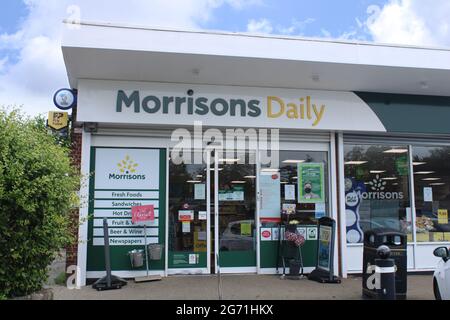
[(212, 214), (188, 229), (233, 213)]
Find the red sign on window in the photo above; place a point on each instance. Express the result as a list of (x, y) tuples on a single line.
[(143, 214)]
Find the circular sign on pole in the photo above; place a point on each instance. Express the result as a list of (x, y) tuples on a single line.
[(65, 99)]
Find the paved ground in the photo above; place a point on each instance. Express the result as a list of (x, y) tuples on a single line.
[(241, 287)]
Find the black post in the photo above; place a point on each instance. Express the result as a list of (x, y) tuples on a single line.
[(385, 274), (107, 257)]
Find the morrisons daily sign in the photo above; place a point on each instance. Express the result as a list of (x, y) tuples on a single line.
[(303, 109), (181, 104)]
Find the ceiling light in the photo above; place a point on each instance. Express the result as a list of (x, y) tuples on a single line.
[(396, 151), (193, 181), (250, 177), (229, 160), (377, 171), (270, 170), (424, 172), (238, 182), (431, 179), (356, 163), (437, 184), (418, 163), (389, 178), (294, 161)]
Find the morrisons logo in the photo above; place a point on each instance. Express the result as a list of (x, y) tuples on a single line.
[(127, 169), (378, 187)]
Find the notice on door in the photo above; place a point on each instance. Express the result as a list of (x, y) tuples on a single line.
[(199, 191), (270, 195)]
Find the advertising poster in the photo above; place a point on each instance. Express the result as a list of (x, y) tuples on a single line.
[(311, 186), (325, 247)]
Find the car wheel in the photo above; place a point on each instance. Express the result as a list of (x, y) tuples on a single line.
[(437, 294)]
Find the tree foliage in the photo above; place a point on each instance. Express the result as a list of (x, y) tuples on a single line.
[(37, 192)]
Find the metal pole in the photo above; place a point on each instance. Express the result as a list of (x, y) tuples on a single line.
[(107, 256), (146, 247)]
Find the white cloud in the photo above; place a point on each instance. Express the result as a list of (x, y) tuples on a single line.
[(264, 25), (296, 27), (411, 22), (40, 71), (260, 26)]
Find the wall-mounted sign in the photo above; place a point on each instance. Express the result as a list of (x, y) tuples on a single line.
[(65, 99), (138, 172), (182, 104), (58, 120)]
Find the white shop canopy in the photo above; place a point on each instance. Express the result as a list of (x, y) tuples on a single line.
[(131, 53)]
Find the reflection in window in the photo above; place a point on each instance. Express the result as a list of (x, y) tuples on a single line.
[(432, 193), (376, 188)]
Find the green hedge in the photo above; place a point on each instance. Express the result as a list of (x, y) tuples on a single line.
[(37, 191)]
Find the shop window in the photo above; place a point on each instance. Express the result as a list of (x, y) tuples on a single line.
[(302, 187), (376, 189), (432, 193)]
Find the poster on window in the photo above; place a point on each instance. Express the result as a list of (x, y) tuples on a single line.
[(311, 186), (270, 195)]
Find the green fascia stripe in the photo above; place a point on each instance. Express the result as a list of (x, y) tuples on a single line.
[(410, 113)]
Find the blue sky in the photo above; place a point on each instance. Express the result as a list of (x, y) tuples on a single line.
[(11, 13), (336, 17), (32, 67)]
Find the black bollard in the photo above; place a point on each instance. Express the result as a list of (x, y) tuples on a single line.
[(385, 274)]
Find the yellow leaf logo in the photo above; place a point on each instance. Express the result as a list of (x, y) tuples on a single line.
[(127, 166)]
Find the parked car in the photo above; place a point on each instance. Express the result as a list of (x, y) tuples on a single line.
[(441, 277), (233, 239)]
